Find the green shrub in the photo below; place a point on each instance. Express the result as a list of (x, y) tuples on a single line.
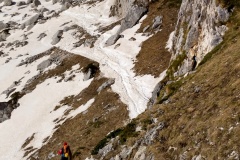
[(146, 122), (210, 54), (96, 124), (114, 133), (77, 153), (175, 64), (172, 88), (128, 131), (173, 3), (100, 145), (123, 133), (104, 141)]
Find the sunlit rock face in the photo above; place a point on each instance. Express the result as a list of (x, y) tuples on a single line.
[(199, 29)]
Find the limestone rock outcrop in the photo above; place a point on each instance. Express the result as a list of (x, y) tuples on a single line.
[(133, 16), (199, 29)]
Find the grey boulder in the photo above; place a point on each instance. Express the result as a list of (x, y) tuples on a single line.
[(30, 21), (146, 28), (106, 84), (57, 37), (3, 25), (3, 35), (8, 2), (89, 42), (41, 36), (55, 1), (12, 24), (6, 109), (44, 65), (64, 1), (65, 6), (132, 18), (157, 22), (21, 3), (42, 10), (9, 91), (36, 3), (1, 53), (29, 1)]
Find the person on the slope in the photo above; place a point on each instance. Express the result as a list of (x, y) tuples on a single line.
[(65, 152)]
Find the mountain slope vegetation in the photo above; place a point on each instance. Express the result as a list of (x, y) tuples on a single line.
[(201, 118)]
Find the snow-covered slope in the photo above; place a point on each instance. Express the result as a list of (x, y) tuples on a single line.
[(35, 115)]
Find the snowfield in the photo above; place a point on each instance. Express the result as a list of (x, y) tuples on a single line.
[(35, 114)]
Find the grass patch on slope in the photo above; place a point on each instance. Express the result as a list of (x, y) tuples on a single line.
[(60, 69), (123, 133), (175, 64), (203, 117), (153, 57), (229, 38)]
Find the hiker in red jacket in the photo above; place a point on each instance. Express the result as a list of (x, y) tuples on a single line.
[(65, 152)]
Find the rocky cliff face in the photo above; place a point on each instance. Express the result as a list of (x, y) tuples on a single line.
[(94, 96), (122, 7), (132, 12), (199, 29)]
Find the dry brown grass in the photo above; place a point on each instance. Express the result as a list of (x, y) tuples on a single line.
[(203, 122), (84, 96), (82, 133), (203, 119), (154, 58), (67, 63), (28, 140)]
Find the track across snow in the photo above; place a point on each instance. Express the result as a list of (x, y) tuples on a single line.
[(116, 63), (34, 116)]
